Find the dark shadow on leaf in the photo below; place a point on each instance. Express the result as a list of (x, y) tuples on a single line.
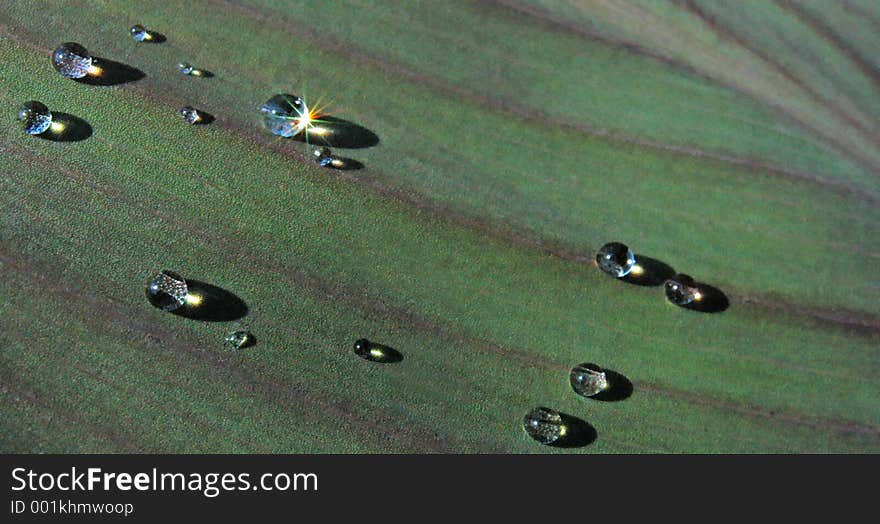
[(205, 118), (346, 164), (201, 73), (619, 387), (69, 128), (154, 37), (713, 300), (653, 272), (215, 305), (336, 132), (578, 433), (111, 74)]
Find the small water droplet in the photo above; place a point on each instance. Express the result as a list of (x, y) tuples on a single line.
[(139, 33), (35, 117), (323, 156), (72, 60), (285, 115), (376, 352), (544, 425), (240, 339), (190, 114), (588, 379), (616, 259), (681, 290), (167, 290)]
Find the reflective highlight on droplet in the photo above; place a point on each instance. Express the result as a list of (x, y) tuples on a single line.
[(285, 115)]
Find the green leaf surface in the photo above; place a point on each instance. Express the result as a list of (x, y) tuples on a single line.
[(735, 143)]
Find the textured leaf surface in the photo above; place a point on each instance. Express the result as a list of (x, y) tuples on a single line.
[(734, 142)]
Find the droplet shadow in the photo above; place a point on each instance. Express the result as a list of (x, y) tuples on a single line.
[(335, 132), (713, 300), (380, 353), (211, 303), (154, 37), (578, 433), (205, 118), (619, 387), (651, 272), (111, 73), (67, 128), (202, 73), (345, 164)]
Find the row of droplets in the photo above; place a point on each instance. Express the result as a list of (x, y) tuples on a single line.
[(547, 425), (283, 115)]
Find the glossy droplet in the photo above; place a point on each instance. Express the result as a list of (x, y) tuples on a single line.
[(616, 259), (544, 425), (323, 156), (588, 379), (285, 115), (35, 117), (190, 114), (364, 348), (167, 290), (139, 33), (681, 290), (72, 60), (240, 339)]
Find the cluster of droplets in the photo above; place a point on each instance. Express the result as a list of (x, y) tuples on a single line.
[(549, 426), (618, 260)]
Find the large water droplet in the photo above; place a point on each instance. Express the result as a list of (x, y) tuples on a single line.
[(588, 379), (72, 60), (616, 259), (544, 425), (35, 117), (167, 290), (285, 115), (681, 290)]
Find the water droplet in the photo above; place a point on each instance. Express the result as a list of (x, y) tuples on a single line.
[(364, 348), (190, 114), (323, 156), (285, 115), (35, 116), (681, 290), (376, 352), (139, 33), (72, 60), (167, 290), (588, 379), (616, 259), (544, 425), (240, 339)]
